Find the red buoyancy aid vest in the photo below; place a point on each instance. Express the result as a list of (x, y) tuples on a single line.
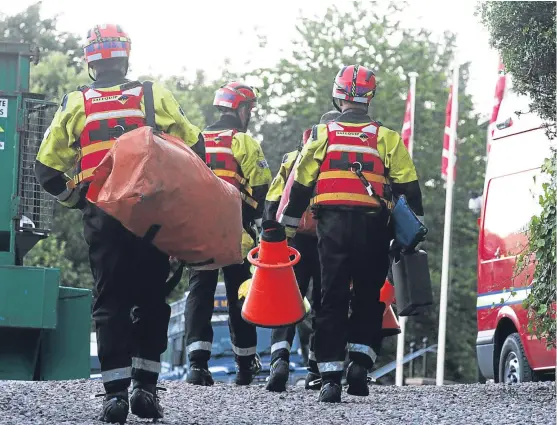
[(108, 115), (220, 158), (351, 146)]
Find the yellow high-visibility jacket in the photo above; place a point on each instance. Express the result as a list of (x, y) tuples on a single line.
[(401, 171), (58, 153)]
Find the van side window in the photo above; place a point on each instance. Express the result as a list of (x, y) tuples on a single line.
[(511, 202)]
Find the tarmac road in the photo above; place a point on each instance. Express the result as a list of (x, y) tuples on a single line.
[(71, 402)]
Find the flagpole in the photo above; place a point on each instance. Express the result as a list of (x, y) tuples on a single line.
[(399, 376), (439, 378), (413, 76)]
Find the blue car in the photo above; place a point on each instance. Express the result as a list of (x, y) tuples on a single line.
[(222, 365)]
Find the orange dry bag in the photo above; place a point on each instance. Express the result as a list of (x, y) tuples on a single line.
[(159, 189)]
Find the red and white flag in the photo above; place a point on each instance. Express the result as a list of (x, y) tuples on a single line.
[(407, 124), (498, 98), (447, 140)]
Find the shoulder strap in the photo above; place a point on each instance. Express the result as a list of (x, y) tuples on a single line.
[(149, 104), (174, 280), (130, 85)]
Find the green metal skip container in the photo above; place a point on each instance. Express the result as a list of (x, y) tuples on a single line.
[(44, 328)]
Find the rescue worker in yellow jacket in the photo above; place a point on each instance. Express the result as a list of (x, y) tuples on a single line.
[(307, 269), (351, 168), (128, 272), (238, 159)]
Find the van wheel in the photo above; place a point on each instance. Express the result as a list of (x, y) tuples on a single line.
[(513, 365)]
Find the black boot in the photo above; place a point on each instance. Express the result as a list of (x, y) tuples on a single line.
[(145, 402), (330, 392), (313, 381), (356, 378), (199, 376), (280, 369), (115, 407), (245, 375)]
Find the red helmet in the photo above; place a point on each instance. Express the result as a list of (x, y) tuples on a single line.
[(105, 42), (234, 94), (354, 83)]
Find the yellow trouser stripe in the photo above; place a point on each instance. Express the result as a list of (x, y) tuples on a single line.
[(95, 147), (370, 177)]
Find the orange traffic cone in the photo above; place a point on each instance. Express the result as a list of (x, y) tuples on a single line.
[(273, 299), (391, 326)]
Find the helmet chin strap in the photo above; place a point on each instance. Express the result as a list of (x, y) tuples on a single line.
[(89, 70)]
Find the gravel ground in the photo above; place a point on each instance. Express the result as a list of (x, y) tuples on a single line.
[(71, 402)]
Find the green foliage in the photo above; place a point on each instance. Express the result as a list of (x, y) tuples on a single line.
[(542, 236), (524, 33), (28, 27), (51, 76), (53, 252)]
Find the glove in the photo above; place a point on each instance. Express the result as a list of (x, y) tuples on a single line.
[(290, 232)]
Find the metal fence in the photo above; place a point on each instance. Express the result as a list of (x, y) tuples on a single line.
[(36, 206)]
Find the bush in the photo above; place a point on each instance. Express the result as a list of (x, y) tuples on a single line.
[(542, 237)]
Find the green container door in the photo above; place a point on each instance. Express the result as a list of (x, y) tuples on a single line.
[(65, 351)]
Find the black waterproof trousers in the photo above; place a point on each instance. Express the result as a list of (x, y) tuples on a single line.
[(199, 310), (130, 310), (353, 248)]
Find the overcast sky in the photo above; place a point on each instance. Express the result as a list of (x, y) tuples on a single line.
[(213, 29)]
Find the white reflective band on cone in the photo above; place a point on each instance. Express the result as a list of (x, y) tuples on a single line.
[(330, 367), (280, 345), (147, 365), (244, 351), (364, 349), (311, 356), (116, 374), (199, 345)]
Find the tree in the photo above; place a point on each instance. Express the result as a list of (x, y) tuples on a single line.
[(53, 252), (53, 78), (297, 91), (28, 27), (524, 34)]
